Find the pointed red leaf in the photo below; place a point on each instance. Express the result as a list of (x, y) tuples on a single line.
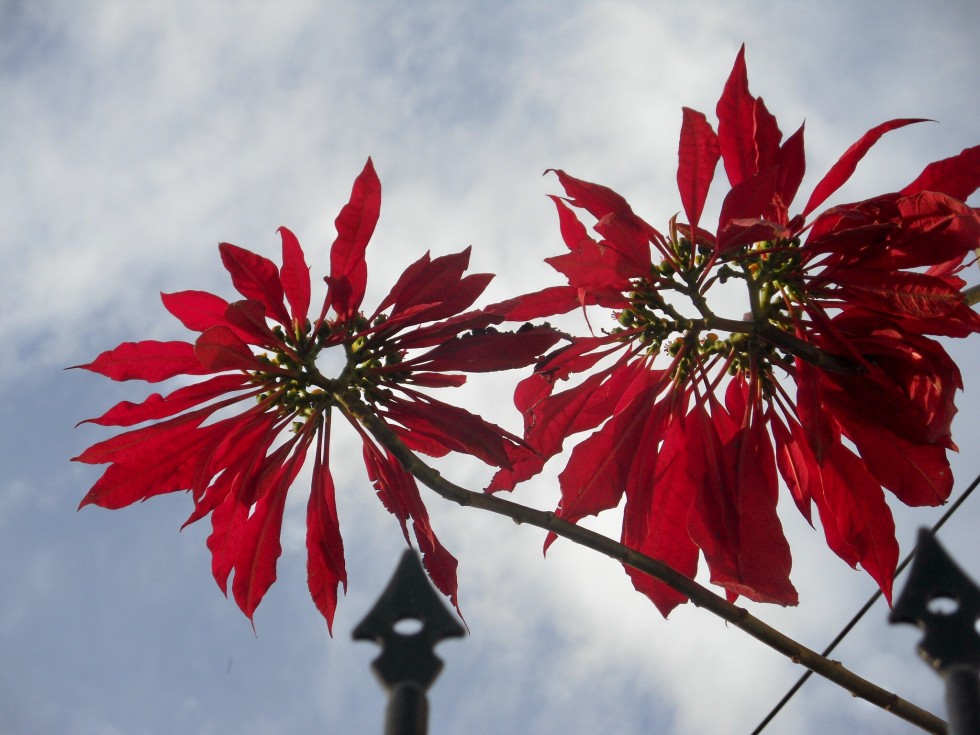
[(957, 176), (420, 443), (415, 276), (572, 230), (764, 558), (487, 351), (246, 319), (899, 293), (623, 253), (326, 569), (659, 495), (260, 547), (232, 450), (454, 428), (597, 270), (400, 495), (355, 226), (767, 136), (697, 155), (165, 467), (605, 204), (582, 354), (149, 360), (219, 348), (122, 484), (861, 230), (853, 506), (137, 444), (713, 522), (739, 232), (227, 528), (229, 518), (430, 281), (750, 199), (737, 125), (795, 461), (578, 409), (934, 229), (255, 277), (430, 335), (918, 474), (821, 429), (538, 305), (199, 310), (734, 518), (596, 199), (295, 276), (430, 290), (595, 477), (791, 169), (241, 442), (629, 237), (435, 380), (155, 406), (841, 171), (908, 387), (550, 419), (196, 310), (438, 562)]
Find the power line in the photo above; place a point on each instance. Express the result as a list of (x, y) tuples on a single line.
[(860, 613)]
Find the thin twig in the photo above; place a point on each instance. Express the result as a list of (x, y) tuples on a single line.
[(698, 595)]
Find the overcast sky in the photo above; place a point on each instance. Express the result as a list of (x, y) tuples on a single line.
[(134, 136)]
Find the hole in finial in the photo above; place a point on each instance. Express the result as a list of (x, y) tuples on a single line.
[(943, 605), (408, 626)]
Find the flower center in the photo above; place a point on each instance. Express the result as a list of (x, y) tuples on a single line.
[(771, 273), (295, 392), (356, 358)]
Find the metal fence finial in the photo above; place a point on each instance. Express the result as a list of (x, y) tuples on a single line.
[(407, 665), (945, 603)]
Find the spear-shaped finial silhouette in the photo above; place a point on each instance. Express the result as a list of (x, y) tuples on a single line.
[(945, 603), (407, 665)]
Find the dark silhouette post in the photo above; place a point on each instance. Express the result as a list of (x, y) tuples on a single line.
[(945, 603), (407, 621)]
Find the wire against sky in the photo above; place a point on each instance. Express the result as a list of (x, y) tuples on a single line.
[(860, 613)]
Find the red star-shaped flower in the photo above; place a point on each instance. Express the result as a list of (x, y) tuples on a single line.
[(690, 423), (262, 355)]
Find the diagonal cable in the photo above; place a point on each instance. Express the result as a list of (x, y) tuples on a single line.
[(860, 613)]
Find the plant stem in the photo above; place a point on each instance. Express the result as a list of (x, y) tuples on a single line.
[(785, 340), (698, 594), (971, 295)]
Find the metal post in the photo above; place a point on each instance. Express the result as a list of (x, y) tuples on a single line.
[(945, 603), (407, 665)]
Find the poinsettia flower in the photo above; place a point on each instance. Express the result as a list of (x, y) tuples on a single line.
[(237, 440), (830, 380)]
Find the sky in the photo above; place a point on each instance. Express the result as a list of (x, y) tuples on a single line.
[(136, 136)]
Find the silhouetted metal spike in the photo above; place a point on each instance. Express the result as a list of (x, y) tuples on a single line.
[(950, 636), (945, 603), (408, 666)]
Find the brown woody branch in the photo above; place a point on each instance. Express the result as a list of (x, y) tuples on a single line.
[(699, 595)]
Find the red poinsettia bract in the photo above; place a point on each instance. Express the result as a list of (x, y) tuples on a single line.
[(690, 424), (261, 355)]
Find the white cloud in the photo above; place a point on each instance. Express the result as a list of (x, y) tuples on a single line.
[(137, 136)]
